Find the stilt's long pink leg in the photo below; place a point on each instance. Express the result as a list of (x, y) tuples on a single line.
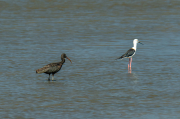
[(129, 64), (130, 60)]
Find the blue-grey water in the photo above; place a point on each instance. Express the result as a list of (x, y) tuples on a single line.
[(92, 33)]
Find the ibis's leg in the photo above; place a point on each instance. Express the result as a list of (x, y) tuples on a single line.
[(52, 76), (49, 77)]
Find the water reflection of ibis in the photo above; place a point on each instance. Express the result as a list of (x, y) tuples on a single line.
[(53, 68)]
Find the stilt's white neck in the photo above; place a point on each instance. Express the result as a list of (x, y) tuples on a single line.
[(135, 41), (135, 45)]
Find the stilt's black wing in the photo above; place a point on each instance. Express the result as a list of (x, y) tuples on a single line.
[(129, 53)]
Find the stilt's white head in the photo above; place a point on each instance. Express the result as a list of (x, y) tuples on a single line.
[(135, 43)]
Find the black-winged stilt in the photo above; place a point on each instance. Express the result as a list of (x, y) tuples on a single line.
[(131, 52)]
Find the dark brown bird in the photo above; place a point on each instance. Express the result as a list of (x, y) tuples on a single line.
[(53, 67)]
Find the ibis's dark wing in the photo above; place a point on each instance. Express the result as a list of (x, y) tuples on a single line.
[(48, 68)]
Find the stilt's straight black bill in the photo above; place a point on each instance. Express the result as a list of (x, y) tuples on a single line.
[(141, 43)]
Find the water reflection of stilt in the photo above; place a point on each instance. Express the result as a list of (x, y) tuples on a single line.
[(129, 70), (133, 77)]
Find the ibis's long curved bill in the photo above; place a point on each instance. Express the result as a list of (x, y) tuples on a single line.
[(68, 59)]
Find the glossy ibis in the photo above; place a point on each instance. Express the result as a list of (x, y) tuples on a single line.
[(53, 68)]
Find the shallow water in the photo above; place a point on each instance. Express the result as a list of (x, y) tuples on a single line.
[(92, 34)]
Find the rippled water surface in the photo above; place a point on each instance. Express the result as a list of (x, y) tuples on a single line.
[(93, 34)]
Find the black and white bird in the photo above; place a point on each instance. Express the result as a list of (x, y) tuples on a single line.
[(131, 52)]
